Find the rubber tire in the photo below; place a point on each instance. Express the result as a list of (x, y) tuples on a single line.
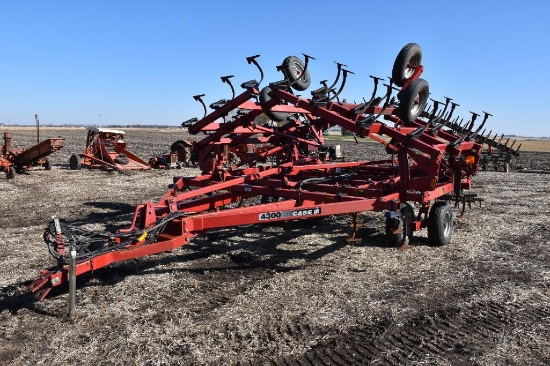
[(183, 149), (274, 116), (409, 107), (440, 224), (411, 53), (398, 239), (293, 69), (74, 162), (10, 172), (122, 159), (48, 164)]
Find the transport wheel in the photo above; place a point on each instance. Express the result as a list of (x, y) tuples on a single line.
[(413, 101), (183, 150), (74, 162), (293, 68), (10, 172), (264, 98), (121, 159), (399, 229), (48, 164), (440, 223), (407, 59)]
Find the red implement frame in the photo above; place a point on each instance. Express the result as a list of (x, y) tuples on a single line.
[(22, 159), (106, 149), (427, 163)]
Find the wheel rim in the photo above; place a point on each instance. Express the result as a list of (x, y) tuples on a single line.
[(447, 224), (298, 71), (418, 102), (411, 66)]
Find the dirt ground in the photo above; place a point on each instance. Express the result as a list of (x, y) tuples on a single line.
[(283, 294)]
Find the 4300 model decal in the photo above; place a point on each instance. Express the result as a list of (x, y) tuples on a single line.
[(290, 213)]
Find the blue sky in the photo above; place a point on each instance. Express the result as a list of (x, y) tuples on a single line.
[(142, 61)]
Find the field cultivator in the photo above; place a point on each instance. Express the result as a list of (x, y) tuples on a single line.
[(496, 153), (17, 159), (284, 170), (106, 149)]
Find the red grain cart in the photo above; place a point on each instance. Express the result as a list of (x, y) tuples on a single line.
[(106, 149)]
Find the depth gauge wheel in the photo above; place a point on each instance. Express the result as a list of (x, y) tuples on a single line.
[(264, 98), (405, 63), (440, 223), (10, 172), (121, 159), (48, 164), (294, 68), (413, 101), (399, 229), (74, 162)]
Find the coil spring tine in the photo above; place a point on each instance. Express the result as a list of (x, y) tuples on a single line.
[(252, 60), (226, 79), (198, 98), (344, 77)]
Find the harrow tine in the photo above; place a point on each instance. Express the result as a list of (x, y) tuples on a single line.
[(198, 98), (252, 60), (517, 150), (389, 92), (468, 131), (226, 79), (437, 122), (387, 96), (420, 130), (361, 108), (344, 77), (339, 65), (475, 133), (488, 135), (320, 95)]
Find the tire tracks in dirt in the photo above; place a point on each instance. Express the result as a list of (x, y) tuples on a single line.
[(456, 334)]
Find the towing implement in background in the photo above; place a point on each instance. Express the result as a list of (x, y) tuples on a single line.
[(255, 171), (20, 159), (106, 150)]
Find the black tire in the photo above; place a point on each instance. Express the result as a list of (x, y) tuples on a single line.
[(440, 224), (48, 164), (413, 101), (122, 159), (274, 116), (10, 172), (403, 67), (183, 150), (293, 68), (74, 162), (400, 233)]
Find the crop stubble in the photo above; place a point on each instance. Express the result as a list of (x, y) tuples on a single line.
[(284, 293)]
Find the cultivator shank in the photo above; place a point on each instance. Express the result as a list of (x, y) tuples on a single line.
[(257, 171)]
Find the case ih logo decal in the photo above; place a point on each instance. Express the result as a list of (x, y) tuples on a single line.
[(291, 213)]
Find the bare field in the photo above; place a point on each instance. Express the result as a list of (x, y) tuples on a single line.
[(283, 294)]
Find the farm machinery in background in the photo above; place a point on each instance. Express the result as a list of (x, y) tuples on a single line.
[(106, 149), (18, 159), (291, 173)]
